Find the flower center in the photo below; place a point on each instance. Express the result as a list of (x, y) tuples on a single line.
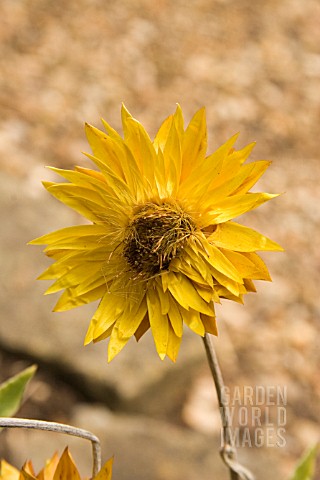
[(155, 236)]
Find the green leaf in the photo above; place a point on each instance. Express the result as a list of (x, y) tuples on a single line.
[(306, 466), (11, 391)]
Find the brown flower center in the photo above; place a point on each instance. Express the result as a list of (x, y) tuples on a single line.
[(155, 236)]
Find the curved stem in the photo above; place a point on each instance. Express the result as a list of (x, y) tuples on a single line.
[(228, 451), (59, 428)]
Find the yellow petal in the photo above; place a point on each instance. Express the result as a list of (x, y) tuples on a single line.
[(76, 177), (245, 267), (94, 175), (103, 147), (8, 472), (108, 312), (93, 189), (165, 278), (162, 134), (90, 332), (48, 471), (75, 276), (194, 186), (233, 236), (262, 272), (117, 187), (209, 324), (117, 343), (192, 255), (181, 265), (231, 164), (24, 475), (173, 160), (249, 265), (186, 295), (163, 297), (194, 143), (234, 206), (117, 157), (249, 285), (192, 319), (173, 344), (70, 299), (106, 471), (217, 194), (158, 322), (67, 259), (258, 169), (219, 261), (83, 200), (207, 293), (130, 320), (225, 293), (90, 284), (175, 317), (228, 283), (143, 328), (141, 147), (68, 233), (111, 131), (66, 469), (179, 121), (106, 334)]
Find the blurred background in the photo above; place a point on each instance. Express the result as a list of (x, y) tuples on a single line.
[(256, 68)]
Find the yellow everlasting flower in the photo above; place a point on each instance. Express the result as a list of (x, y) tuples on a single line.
[(161, 248), (55, 469)]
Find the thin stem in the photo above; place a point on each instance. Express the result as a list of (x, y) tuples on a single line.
[(59, 428), (228, 451)]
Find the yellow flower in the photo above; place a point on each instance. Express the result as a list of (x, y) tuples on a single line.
[(161, 248), (55, 469)]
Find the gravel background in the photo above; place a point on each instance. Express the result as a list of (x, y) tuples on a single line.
[(256, 68)]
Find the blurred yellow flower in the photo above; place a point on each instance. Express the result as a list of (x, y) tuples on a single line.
[(55, 469), (161, 248)]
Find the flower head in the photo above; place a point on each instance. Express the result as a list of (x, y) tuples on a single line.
[(161, 247), (55, 469)]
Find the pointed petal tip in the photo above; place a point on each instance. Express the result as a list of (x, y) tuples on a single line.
[(88, 126), (124, 110), (162, 356), (33, 242), (110, 355), (56, 308), (236, 136), (275, 247)]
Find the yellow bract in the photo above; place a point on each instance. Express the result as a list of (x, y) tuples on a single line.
[(161, 246), (55, 469)]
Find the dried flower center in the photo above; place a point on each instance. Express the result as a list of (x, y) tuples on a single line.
[(156, 235)]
